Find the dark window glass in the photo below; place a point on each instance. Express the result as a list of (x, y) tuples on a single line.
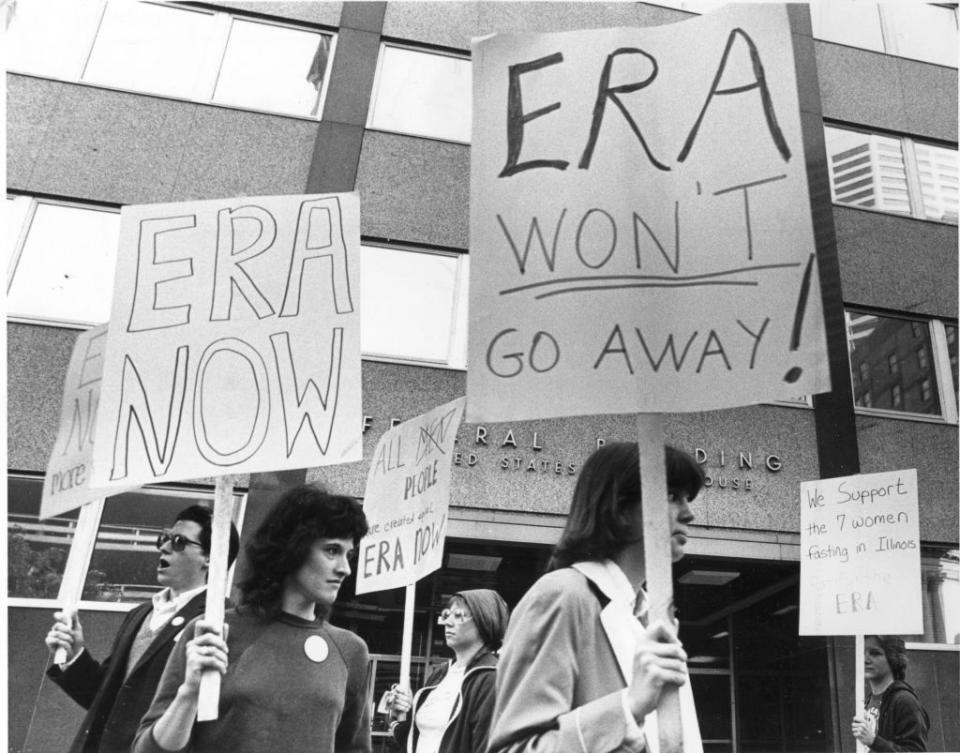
[(888, 349)]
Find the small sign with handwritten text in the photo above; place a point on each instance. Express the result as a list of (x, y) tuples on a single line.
[(860, 555)]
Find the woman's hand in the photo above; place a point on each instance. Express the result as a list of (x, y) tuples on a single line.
[(207, 650), (659, 661), (865, 730), (400, 701)]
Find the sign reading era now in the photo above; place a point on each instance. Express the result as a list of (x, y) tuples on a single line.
[(70, 469), (406, 500), (640, 224), (234, 339), (860, 555)]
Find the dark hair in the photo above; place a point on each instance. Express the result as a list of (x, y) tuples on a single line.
[(895, 649), (203, 516), (490, 614), (283, 541), (609, 482)]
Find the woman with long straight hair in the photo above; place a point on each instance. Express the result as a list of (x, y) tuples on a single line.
[(579, 671)]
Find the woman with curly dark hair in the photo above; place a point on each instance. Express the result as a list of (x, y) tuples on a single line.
[(291, 681)]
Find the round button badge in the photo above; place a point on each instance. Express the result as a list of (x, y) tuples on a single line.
[(315, 648), (177, 621)]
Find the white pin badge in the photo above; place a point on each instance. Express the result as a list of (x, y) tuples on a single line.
[(177, 621), (315, 648)]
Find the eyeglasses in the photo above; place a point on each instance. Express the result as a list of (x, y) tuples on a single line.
[(177, 542), (457, 616)]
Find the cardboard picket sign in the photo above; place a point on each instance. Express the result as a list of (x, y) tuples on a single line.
[(860, 555), (67, 484), (234, 339), (407, 499), (640, 222)]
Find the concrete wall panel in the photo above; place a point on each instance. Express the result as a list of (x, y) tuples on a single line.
[(896, 262), (414, 190)]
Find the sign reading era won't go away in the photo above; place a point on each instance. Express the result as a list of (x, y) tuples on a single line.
[(234, 339), (640, 221)]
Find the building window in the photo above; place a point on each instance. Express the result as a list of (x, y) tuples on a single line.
[(885, 347), (422, 93), (123, 566), (940, 573), (188, 53), (872, 171), (893, 363), (414, 305), (951, 336), (61, 261), (923, 357), (922, 31)]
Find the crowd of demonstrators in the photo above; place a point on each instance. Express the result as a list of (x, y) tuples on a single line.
[(291, 681), (117, 691), (579, 671), (893, 718), (451, 712), (577, 667)]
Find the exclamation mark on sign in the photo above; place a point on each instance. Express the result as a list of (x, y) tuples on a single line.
[(794, 374)]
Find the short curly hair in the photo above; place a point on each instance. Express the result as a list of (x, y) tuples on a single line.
[(283, 541)]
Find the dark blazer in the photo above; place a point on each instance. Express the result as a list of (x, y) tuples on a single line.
[(114, 703)]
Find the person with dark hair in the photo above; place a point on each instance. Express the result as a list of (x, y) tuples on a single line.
[(451, 713), (117, 691), (291, 681), (579, 671), (893, 718)]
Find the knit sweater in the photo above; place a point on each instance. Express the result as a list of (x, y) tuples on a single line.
[(274, 697)]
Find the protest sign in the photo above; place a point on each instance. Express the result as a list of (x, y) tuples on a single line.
[(234, 339), (70, 469), (640, 223), (406, 500), (860, 555)]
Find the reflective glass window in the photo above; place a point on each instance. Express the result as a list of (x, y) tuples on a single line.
[(867, 170), (36, 551), (853, 24), (288, 79), (411, 305), (51, 37), (65, 267), (153, 48), (951, 330), (885, 349), (938, 173), (923, 357), (422, 94), (940, 574), (923, 31)]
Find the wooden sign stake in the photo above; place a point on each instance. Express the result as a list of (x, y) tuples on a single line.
[(860, 680), (658, 560), (81, 549), (406, 645), (208, 701)]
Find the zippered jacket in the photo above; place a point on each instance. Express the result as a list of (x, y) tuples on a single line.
[(469, 724), (902, 723)]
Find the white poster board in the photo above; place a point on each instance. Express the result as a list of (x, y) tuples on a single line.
[(234, 339), (406, 500), (67, 484), (860, 555), (640, 224)]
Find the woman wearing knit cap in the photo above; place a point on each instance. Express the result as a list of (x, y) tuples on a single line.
[(893, 718), (451, 713)]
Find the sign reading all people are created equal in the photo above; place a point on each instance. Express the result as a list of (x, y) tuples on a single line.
[(860, 555)]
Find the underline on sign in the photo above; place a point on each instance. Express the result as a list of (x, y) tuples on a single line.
[(618, 282)]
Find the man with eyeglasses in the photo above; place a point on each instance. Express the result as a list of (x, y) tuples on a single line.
[(117, 691)]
